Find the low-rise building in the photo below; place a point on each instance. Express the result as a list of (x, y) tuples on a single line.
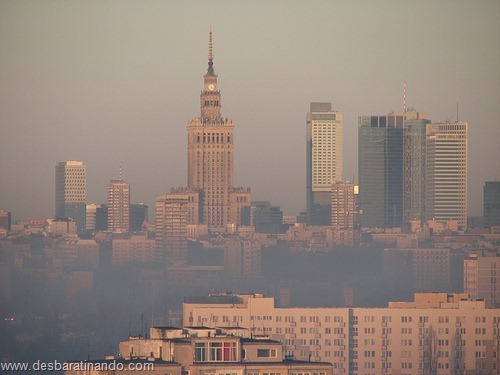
[(207, 351)]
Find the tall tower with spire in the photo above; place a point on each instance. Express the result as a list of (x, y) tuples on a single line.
[(210, 154), (119, 205)]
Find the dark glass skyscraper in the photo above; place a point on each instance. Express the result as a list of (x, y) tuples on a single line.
[(381, 170), (491, 204), (414, 159)]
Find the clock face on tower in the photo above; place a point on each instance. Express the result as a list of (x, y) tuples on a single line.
[(211, 87)]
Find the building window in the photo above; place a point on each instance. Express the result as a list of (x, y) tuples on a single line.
[(266, 353), (215, 352)]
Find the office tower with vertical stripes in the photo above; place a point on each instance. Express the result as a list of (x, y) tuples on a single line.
[(323, 160), (446, 175)]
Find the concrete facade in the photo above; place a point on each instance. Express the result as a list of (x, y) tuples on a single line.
[(137, 248), (118, 206), (446, 172), (323, 159), (435, 334), (482, 277), (343, 207), (71, 191)]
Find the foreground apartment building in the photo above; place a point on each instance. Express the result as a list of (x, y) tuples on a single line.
[(200, 351), (438, 333)]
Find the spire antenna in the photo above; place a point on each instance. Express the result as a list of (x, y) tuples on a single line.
[(210, 71), (404, 96), (120, 171), (210, 46)]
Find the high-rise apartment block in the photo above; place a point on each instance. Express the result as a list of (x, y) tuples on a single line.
[(491, 203), (344, 211), (323, 160), (437, 333), (71, 191), (446, 172), (482, 277), (381, 170), (211, 154), (171, 226), (118, 206)]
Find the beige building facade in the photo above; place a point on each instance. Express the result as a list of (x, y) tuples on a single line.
[(211, 154), (344, 209), (171, 223), (136, 248), (323, 159), (118, 206), (71, 191), (482, 277), (435, 334), (446, 172), (203, 351)]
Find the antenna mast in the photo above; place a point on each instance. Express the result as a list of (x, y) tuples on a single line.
[(404, 97)]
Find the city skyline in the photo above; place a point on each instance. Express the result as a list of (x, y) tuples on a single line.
[(88, 82)]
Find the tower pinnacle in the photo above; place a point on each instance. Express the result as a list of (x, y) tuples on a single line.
[(210, 55)]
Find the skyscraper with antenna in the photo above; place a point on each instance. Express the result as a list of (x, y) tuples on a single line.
[(119, 205), (211, 157)]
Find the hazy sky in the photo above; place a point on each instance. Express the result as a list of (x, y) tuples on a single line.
[(110, 81)]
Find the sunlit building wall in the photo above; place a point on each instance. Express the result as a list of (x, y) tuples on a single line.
[(71, 191), (323, 160), (446, 176)]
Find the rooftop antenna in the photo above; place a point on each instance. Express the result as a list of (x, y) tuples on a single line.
[(120, 172), (404, 97), (210, 47), (457, 111)]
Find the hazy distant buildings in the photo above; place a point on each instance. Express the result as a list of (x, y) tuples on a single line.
[(446, 175), (380, 150), (416, 270), (5, 221), (96, 217), (73, 253), (138, 215), (242, 258), (71, 191), (414, 155), (266, 218), (323, 160), (135, 249), (491, 203), (171, 223), (343, 205), (482, 277), (210, 154), (118, 206)]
